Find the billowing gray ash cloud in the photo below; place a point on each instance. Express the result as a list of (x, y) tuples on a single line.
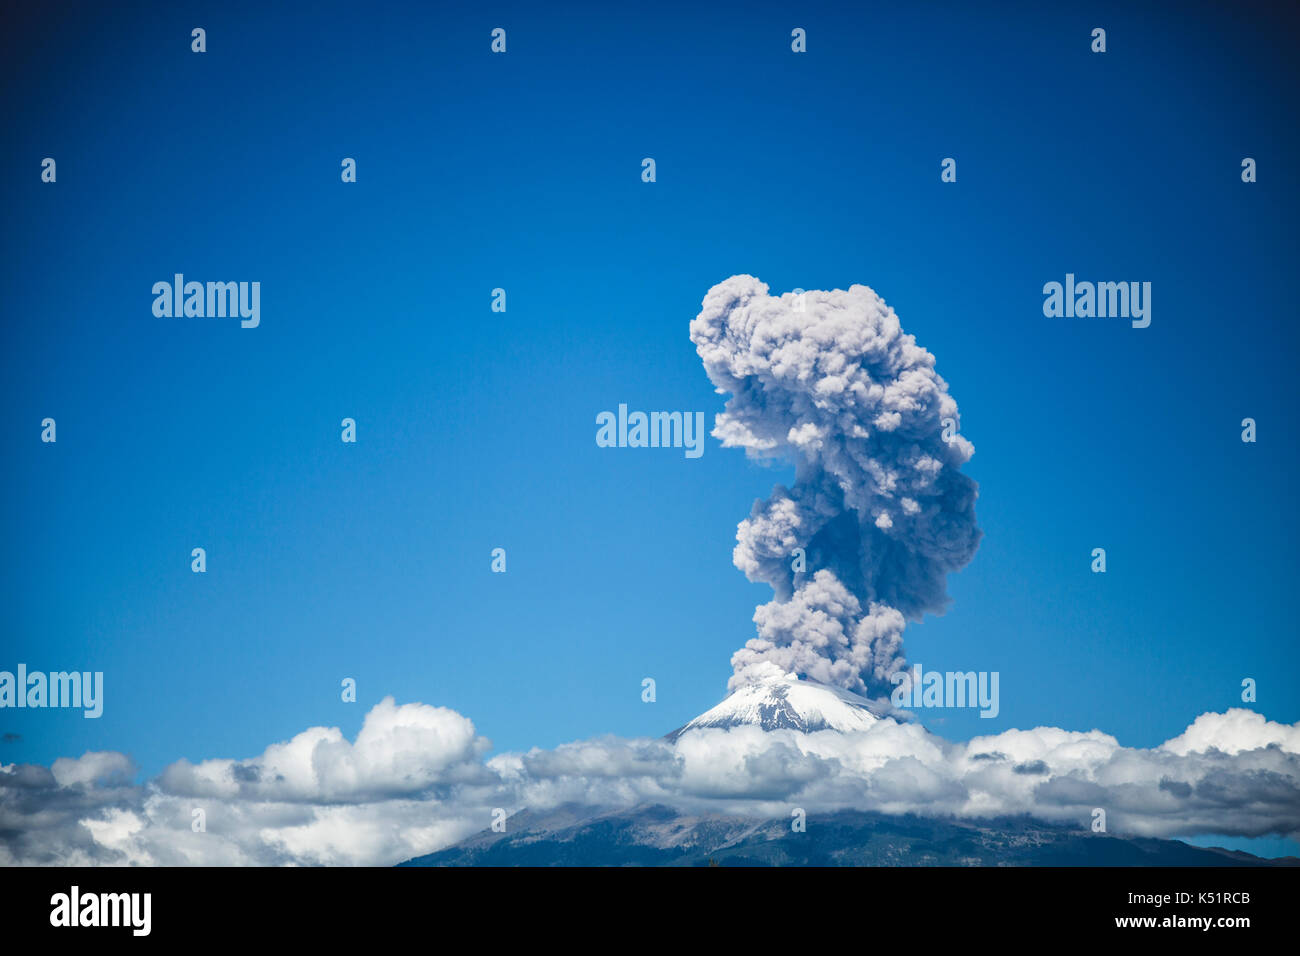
[(829, 381)]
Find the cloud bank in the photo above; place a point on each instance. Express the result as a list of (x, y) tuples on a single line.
[(829, 381), (415, 780)]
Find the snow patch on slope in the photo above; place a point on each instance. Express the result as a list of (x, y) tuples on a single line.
[(789, 703)]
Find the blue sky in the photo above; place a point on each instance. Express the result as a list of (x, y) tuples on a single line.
[(476, 429)]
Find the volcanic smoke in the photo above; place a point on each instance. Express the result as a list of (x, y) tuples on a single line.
[(879, 507)]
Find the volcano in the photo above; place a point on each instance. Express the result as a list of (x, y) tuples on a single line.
[(577, 834), (789, 702)]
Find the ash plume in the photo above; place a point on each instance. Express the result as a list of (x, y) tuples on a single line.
[(830, 382)]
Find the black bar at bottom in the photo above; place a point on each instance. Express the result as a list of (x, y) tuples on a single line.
[(332, 906)]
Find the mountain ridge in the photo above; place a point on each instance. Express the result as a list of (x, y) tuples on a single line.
[(657, 835)]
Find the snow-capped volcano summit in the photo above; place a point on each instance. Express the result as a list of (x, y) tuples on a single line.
[(788, 702)]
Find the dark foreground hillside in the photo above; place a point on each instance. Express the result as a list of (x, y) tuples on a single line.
[(660, 836)]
